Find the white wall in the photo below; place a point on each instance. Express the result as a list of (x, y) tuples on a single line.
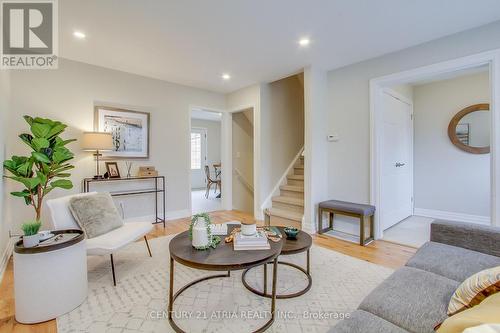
[(213, 143), (447, 178), (348, 92), (242, 156), (242, 99), (4, 112), (69, 95), (282, 129)]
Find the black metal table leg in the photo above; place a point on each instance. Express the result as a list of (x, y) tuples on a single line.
[(281, 296)]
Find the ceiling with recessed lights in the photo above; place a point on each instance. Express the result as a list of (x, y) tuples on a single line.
[(194, 42)]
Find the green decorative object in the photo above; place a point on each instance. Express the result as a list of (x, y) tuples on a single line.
[(291, 232), (200, 232), (45, 169), (31, 228)]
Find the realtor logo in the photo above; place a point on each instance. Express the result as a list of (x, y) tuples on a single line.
[(29, 34)]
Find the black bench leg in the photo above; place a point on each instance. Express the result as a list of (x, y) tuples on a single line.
[(331, 215), (362, 230), (320, 220)]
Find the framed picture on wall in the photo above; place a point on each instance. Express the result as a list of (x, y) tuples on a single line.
[(130, 131)]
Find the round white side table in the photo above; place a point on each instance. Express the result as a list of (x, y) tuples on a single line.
[(51, 278)]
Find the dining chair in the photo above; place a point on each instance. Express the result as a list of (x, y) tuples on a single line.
[(211, 182)]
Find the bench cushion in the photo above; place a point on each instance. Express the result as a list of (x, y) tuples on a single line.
[(453, 262), (362, 322), (348, 207)]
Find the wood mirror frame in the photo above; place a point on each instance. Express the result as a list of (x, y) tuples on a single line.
[(453, 125)]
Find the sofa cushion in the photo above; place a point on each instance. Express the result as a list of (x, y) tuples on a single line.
[(453, 262), (362, 322), (413, 299)]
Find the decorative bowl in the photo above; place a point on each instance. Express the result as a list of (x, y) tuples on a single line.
[(291, 232)]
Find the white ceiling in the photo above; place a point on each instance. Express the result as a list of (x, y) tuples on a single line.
[(193, 42)]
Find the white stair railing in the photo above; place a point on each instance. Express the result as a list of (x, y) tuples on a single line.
[(243, 180)]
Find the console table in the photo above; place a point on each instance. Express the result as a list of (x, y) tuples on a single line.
[(159, 188)]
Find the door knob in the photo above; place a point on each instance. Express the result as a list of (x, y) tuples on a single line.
[(398, 164)]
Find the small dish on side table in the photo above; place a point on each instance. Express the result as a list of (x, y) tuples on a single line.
[(291, 232)]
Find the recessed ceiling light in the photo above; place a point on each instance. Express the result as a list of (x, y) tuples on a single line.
[(226, 76), (79, 34), (304, 41)]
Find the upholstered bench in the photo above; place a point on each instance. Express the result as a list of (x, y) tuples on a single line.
[(360, 211)]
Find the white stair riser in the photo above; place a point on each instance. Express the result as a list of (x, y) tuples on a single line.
[(289, 207), (280, 221)]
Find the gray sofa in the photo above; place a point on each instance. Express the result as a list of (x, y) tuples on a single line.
[(415, 297)]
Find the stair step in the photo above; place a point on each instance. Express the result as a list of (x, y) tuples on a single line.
[(292, 188), (286, 214), (295, 180), (301, 166), (289, 203)]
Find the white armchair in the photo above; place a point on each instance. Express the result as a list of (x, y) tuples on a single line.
[(104, 244)]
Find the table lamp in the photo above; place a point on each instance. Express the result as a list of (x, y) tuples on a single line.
[(97, 142)]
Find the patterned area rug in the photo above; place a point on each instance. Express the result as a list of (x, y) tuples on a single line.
[(139, 301)]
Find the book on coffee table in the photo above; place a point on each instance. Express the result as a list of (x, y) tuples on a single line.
[(258, 241)]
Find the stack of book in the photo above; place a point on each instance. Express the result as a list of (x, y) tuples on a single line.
[(258, 241)]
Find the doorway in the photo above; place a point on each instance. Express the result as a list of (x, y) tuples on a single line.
[(243, 160), (422, 173), (205, 155)]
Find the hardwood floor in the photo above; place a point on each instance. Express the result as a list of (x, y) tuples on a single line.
[(378, 252)]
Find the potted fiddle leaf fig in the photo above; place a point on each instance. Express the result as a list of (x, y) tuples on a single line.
[(45, 169)]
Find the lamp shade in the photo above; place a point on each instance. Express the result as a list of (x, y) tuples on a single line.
[(92, 141)]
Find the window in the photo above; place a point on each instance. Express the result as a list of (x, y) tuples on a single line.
[(195, 151)]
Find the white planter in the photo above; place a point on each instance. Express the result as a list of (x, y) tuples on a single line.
[(31, 241), (200, 233)]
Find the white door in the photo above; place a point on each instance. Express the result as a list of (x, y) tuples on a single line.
[(198, 157), (396, 162)]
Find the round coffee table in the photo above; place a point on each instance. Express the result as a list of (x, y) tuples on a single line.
[(222, 258), (301, 244)]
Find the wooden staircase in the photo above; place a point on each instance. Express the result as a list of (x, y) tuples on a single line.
[(288, 208)]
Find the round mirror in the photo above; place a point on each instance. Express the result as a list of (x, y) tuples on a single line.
[(469, 129)]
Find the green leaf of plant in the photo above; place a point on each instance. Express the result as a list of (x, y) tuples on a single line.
[(41, 157), (62, 183), (42, 177), (62, 155), (28, 119), (30, 183), (61, 143), (62, 175), (27, 139), (56, 129), (40, 143), (25, 169), (20, 194), (40, 130)]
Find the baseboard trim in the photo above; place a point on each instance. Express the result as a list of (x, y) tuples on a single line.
[(172, 215), (6, 256), (460, 217)]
